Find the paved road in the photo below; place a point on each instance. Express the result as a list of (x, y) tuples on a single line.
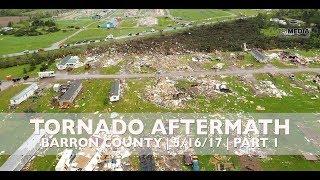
[(237, 72)]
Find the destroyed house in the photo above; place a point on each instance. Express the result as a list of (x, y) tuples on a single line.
[(69, 62), (259, 56), (66, 100), (115, 92), (23, 95)]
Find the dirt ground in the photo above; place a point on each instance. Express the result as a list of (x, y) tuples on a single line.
[(248, 163), (5, 20)]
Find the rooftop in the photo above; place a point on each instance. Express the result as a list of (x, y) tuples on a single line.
[(71, 90), (32, 87), (69, 59), (115, 88)]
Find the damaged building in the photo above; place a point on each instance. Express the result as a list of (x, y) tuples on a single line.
[(71, 92), (259, 56)]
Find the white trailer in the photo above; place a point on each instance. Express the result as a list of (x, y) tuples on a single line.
[(23, 95), (46, 74)]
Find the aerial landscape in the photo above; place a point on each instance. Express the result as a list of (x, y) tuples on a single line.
[(107, 61)]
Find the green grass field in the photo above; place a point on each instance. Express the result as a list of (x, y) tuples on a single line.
[(3, 159), (79, 22), (198, 14), (12, 44), (45, 163), (289, 163)]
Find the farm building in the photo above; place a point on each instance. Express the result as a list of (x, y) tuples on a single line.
[(66, 100), (69, 62), (23, 95), (115, 91), (259, 56), (65, 160), (24, 153), (110, 24)]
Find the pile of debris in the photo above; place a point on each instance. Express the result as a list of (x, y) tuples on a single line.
[(209, 87), (165, 94), (268, 88), (293, 58), (201, 58), (148, 21)]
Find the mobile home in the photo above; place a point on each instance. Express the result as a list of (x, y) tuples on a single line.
[(115, 92), (23, 95)]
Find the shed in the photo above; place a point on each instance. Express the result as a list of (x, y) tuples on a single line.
[(115, 91), (25, 94), (66, 100)]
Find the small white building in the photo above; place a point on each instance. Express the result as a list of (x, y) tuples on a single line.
[(46, 74), (69, 62), (23, 95), (65, 160), (56, 87), (115, 92)]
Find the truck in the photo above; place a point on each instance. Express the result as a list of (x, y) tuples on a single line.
[(46, 74)]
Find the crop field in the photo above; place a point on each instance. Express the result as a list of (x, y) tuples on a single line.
[(11, 44)]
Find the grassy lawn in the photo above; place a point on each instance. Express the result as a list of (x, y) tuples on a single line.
[(13, 44), (289, 163), (3, 159), (79, 22), (198, 14), (128, 22), (309, 53), (45, 163), (165, 21), (280, 64), (110, 70), (7, 94), (246, 12)]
